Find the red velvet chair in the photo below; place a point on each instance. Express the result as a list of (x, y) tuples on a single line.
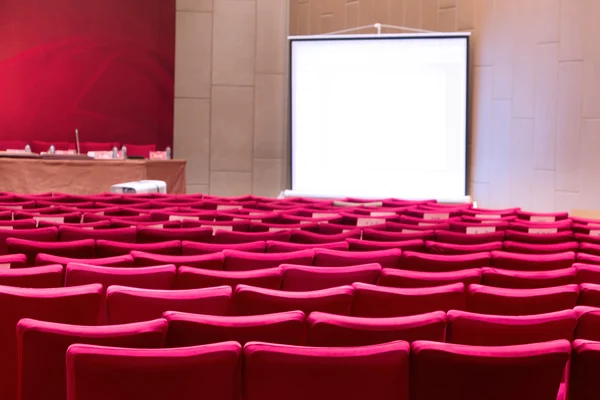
[(70, 233), (459, 249), (334, 258), (286, 247), (109, 248), (195, 278), (205, 261), (300, 278), (532, 262), (528, 279), (160, 277), (415, 279), (583, 377), (195, 248), (31, 248), (245, 261), (414, 261), (49, 276), (139, 150), (117, 261)]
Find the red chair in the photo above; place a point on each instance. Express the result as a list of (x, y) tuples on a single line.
[(588, 324), (18, 224), (194, 248), (40, 235), (495, 330), (413, 261), (84, 147), (387, 236), (414, 279), (13, 261), (242, 261), (188, 373), (313, 238), (69, 233), (368, 245), (50, 276), (528, 280), (500, 301), (109, 248), (330, 330), (195, 278), (539, 238), (42, 347), (206, 261), (541, 217), (286, 247), (588, 259), (459, 372), (126, 304), (529, 248), (117, 261), (193, 329), (298, 373), (77, 249), (583, 376), (77, 305), (160, 277), (12, 145), (459, 249), (587, 273), (589, 295), (532, 262), (334, 258), (466, 238), (38, 146), (299, 278), (251, 300), (381, 302), (139, 150), (226, 237), (153, 235)]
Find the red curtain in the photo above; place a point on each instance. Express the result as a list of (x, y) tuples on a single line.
[(105, 67)]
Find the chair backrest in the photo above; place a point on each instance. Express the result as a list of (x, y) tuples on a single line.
[(153, 235), (528, 279), (466, 238), (532, 262), (251, 300), (299, 278), (205, 261), (495, 330), (588, 325), (453, 371), (587, 273), (392, 236), (312, 237), (297, 373), (110, 248), (225, 237), (42, 347), (40, 235), (127, 304), (415, 279), (244, 261), (370, 245), (159, 277), (49, 276), (583, 375), (75, 305), (13, 261), (330, 330), (139, 150), (194, 248), (195, 278), (194, 329), (533, 248), (491, 300), (116, 261), (414, 261), (285, 247), (189, 373), (457, 249), (539, 238), (378, 301), (31, 248), (69, 233), (589, 295), (334, 258)]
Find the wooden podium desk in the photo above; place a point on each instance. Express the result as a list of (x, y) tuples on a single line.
[(27, 176)]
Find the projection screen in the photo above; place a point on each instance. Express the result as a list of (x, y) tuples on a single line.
[(379, 115)]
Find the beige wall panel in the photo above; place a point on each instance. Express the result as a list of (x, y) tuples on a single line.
[(465, 15), (590, 162), (382, 11), (448, 3), (480, 192), (572, 26), (521, 161), (546, 20), (351, 13), (269, 112), (546, 105), (412, 14), (230, 183), (303, 19), (267, 179), (482, 124), (234, 31), (192, 137), (502, 57), (366, 14), (591, 60), (523, 62), (397, 13), (271, 36), (500, 144), (429, 15), (484, 26), (232, 122), (568, 148), (447, 20), (195, 5), (542, 196), (193, 54), (193, 189)]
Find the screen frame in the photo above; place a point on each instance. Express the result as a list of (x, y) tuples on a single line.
[(404, 36)]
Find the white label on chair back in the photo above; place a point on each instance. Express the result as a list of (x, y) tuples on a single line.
[(88, 228), (217, 228), (542, 230), (369, 221), (99, 213), (307, 222), (436, 216), (5, 266), (382, 213), (255, 213), (277, 229), (159, 226), (6, 228), (428, 223), (346, 230), (49, 219), (13, 207), (410, 231), (488, 216), (223, 207), (475, 230), (595, 232), (183, 218), (325, 215), (542, 218)]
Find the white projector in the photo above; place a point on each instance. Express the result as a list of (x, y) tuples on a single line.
[(140, 187)]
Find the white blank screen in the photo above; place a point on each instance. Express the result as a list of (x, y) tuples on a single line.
[(377, 117)]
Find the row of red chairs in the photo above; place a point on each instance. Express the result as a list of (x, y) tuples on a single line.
[(42, 346)]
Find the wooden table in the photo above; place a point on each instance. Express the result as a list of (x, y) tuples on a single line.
[(86, 176)]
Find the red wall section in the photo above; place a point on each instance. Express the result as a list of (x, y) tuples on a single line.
[(105, 67)]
